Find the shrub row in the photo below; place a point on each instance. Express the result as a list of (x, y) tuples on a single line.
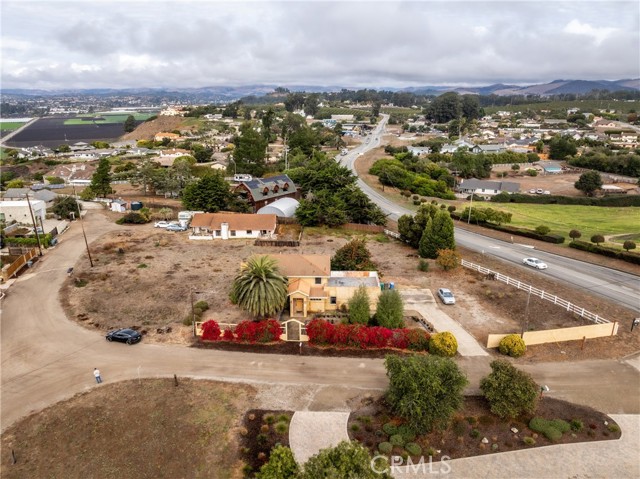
[(45, 240), (604, 251), (322, 332), (625, 200), (556, 239), (266, 331)]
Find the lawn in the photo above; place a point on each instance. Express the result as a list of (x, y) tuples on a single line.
[(11, 125), (133, 429), (623, 107), (589, 220)]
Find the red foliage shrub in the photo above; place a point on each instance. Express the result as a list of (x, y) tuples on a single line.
[(210, 330), (356, 335), (258, 331), (320, 331), (228, 335)]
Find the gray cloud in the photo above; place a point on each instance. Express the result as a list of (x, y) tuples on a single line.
[(52, 44)]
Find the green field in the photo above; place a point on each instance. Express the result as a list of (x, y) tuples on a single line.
[(108, 118), (589, 220), (11, 125)]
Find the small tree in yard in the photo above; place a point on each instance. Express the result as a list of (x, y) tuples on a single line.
[(574, 234), (510, 392), (424, 390), (438, 234), (354, 256), (542, 230), (589, 182), (259, 288), (101, 179), (359, 307), (281, 465), (597, 239), (347, 460), (64, 205), (629, 245), (390, 310), (448, 259)]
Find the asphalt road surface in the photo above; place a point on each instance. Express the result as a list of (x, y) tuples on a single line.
[(618, 286), (47, 358)]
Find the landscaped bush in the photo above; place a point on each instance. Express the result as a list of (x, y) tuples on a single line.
[(413, 449), (529, 441), (576, 425), (407, 433), (385, 447), (513, 345), (560, 425), (419, 339), (258, 331), (210, 330), (397, 440), (390, 429), (509, 391), (604, 251), (443, 344), (132, 218), (201, 305), (550, 429), (228, 335)]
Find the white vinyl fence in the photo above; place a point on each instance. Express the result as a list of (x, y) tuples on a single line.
[(537, 292)]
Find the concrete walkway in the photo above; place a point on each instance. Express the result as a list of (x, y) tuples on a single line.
[(600, 459), (422, 301), (309, 432)]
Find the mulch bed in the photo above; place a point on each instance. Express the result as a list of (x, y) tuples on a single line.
[(262, 430), (475, 422), (293, 348)]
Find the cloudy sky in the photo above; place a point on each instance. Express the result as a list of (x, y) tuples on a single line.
[(114, 44)]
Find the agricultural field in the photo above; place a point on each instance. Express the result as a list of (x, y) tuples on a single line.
[(326, 112), (589, 220), (52, 132), (106, 118), (7, 126)]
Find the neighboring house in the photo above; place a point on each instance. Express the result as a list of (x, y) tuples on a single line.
[(486, 188), (260, 192), (172, 111), (81, 146), (488, 149), (209, 226), (164, 134), (314, 288), (18, 211), (419, 150), (18, 194), (342, 118), (77, 173)]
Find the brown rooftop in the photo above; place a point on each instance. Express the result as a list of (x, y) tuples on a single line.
[(236, 221)]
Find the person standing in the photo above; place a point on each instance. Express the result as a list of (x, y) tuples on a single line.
[(96, 373)]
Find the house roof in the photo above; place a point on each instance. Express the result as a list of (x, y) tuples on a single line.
[(236, 221), (303, 265), (273, 187), (44, 195), (474, 184), (300, 286)]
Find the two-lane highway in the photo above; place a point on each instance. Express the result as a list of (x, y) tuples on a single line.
[(618, 286)]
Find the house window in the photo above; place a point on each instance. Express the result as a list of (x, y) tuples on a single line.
[(233, 232), (217, 233), (263, 232), (333, 300), (249, 232), (318, 280)]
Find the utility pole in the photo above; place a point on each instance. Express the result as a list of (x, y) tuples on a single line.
[(35, 226), (470, 206), (86, 243)]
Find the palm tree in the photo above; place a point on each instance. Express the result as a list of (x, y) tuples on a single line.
[(259, 288)]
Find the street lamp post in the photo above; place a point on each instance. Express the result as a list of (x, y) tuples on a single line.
[(234, 166), (35, 226), (86, 243)]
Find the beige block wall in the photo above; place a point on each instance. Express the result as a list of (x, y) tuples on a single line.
[(559, 335), (344, 293)]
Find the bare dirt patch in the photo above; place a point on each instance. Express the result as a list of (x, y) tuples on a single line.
[(133, 429)]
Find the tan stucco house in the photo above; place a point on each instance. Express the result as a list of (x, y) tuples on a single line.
[(314, 288)]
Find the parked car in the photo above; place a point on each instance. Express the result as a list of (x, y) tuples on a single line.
[(446, 296), (176, 227), (532, 191), (161, 224), (128, 336), (535, 263)]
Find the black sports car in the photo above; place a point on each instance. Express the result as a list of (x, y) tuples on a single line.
[(128, 336)]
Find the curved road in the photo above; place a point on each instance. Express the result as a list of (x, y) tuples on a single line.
[(618, 286), (46, 357)]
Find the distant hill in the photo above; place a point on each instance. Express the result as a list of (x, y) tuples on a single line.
[(231, 93)]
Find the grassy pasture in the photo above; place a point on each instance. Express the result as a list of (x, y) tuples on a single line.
[(11, 125), (589, 220)]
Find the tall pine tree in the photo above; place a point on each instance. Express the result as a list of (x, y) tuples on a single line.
[(438, 234), (101, 179)]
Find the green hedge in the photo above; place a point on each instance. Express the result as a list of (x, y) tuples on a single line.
[(604, 251), (623, 200), (556, 239), (45, 240)]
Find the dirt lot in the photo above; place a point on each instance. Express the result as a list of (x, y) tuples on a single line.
[(143, 277), (133, 429)]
